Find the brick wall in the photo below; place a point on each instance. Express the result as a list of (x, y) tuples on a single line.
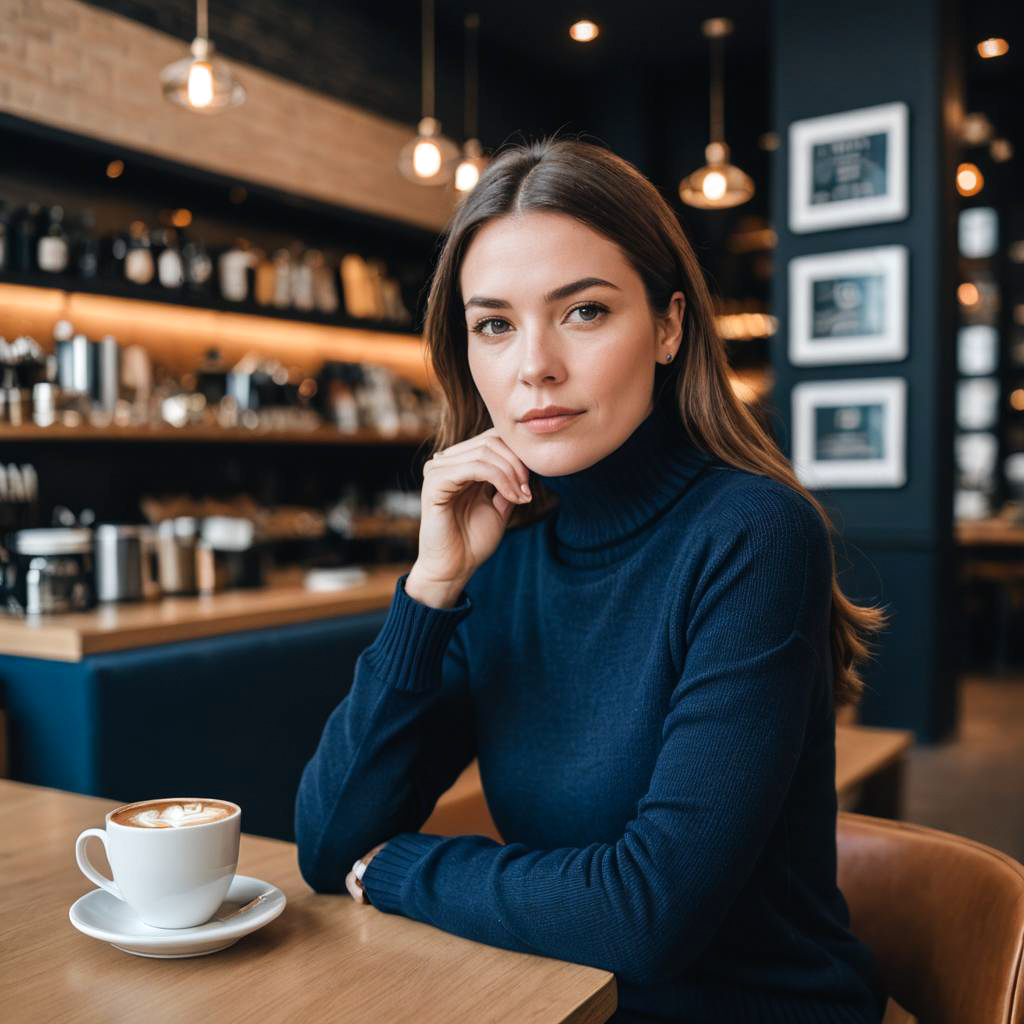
[(77, 67)]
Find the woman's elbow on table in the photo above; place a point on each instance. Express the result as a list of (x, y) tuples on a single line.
[(318, 873)]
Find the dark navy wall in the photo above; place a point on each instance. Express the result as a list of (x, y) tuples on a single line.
[(897, 542)]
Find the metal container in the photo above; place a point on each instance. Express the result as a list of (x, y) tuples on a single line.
[(176, 554), (52, 571), (229, 555), (108, 373), (122, 566), (77, 365)]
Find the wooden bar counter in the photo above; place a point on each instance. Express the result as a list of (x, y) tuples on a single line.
[(116, 627), (326, 958)]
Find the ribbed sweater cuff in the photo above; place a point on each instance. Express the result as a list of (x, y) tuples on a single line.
[(410, 646), (385, 876)]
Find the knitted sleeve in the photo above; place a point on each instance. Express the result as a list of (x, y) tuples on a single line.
[(398, 739), (645, 906)]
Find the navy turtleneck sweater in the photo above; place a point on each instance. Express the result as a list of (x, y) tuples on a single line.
[(645, 677)]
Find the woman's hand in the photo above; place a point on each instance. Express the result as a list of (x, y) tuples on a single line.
[(353, 884), (468, 492)]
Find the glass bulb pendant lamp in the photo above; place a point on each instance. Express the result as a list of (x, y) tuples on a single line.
[(718, 184), (201, 82), (473, 162), (428, 159)]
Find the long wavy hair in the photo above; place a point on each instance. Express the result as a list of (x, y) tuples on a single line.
[(613, 198)]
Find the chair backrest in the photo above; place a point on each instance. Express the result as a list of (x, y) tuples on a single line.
[(943, 915)]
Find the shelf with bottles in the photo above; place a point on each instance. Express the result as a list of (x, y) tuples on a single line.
[(78, 386), (88, 216), (294, 285)]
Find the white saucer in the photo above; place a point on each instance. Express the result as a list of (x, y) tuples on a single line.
[(105, 917)]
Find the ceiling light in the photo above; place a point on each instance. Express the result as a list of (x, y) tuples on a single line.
[(584, 31), (718, 184), (201, 83), (473, 162), (969, 180), (429, 158), (993, 47)]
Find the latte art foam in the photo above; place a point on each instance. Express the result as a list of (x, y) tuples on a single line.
[(172, 815)]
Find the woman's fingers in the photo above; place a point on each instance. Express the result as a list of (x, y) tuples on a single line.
[(455, 474), (487, 441), (355, 889)]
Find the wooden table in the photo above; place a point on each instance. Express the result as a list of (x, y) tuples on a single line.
[(997, 531), (116, 627), (326, 958)]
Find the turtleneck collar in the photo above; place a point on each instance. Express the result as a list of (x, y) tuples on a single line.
[(622, 493)]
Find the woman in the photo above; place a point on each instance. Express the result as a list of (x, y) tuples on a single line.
[(627, 609)]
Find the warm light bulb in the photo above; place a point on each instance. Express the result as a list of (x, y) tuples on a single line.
[(993, 47), (467, 174), (584, 31), (426, 158), (1017, 399), (714, 185), (968, 294), (200, 84), (969, 180)]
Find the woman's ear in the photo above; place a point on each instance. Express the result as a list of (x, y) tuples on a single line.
[(670, 328)]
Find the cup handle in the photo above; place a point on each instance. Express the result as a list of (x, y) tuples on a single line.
[(86, 865)]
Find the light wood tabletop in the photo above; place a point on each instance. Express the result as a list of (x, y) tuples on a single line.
[(115, 627), (997, 531), (326, 958)]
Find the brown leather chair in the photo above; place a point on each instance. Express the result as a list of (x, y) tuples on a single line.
[(943, 915)]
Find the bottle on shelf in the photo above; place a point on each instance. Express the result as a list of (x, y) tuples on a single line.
[(52, 248), (170, 268), (263, 278), (198, 267), (302, 295), (24, 233), (138, 258), (232, 267), (85, 247), (282, 279)]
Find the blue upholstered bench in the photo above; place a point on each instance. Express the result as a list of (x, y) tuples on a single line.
[(234, 716)]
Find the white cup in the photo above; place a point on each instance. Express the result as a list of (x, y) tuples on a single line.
[(171, 877)]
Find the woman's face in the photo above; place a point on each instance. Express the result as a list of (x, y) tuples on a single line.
[(555, 315)]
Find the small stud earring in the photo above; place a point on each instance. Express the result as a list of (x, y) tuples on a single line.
[(668, 358)]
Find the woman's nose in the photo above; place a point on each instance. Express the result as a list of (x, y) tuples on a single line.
[(541, 361)]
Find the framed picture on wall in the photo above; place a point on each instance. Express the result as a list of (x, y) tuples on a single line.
[(850, 433), (848, 307), (849, 168)]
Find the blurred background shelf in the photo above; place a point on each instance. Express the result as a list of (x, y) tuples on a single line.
[(321, 435), (113, 288), (178, 335)]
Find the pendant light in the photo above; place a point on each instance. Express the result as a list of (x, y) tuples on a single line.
[(428, 159), (201, 83), (473, 162), (718, 184)]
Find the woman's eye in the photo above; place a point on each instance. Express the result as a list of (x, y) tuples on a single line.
[(479, 328), (589, 311)]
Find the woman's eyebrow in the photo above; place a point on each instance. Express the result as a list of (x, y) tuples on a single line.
[(559, 293)]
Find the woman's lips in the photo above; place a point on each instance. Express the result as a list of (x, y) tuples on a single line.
[(549, 424)]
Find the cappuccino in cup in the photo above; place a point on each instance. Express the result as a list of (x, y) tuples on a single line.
[(172, 813), (172, 859)]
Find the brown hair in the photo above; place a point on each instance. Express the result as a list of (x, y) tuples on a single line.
[(614, 199)]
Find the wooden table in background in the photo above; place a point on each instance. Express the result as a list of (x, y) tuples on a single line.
[(117, 627), (326, 958)]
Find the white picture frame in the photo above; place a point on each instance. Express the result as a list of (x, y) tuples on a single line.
[(862, 315), (831, 186), (876, 445)]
